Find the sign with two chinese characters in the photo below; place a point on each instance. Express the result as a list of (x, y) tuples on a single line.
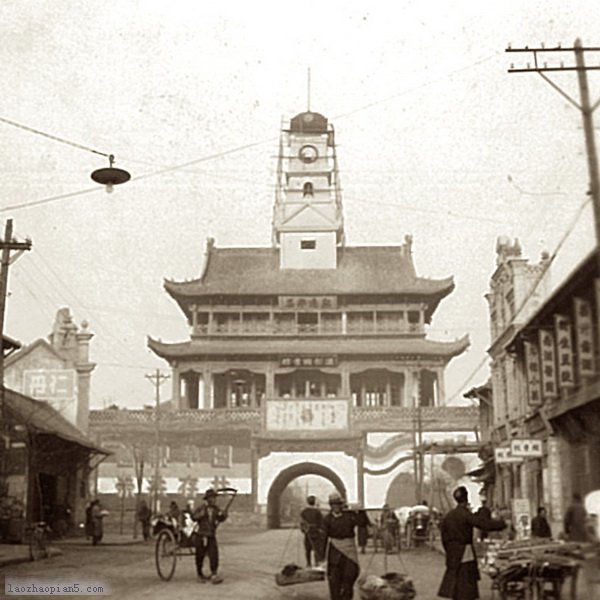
[(57, 387), (503, 456), (311, 415)]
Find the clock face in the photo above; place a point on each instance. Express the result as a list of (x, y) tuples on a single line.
[(308, 154)]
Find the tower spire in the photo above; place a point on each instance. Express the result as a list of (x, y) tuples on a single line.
[(308, 89)]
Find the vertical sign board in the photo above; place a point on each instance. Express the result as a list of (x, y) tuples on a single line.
[(584, 337), (554, 479), (548, 356), (521, 510), (56, 386), (564, 352), (532, 370)]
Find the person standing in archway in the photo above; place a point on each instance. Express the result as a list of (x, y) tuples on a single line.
[(342, 557), (311, 525)]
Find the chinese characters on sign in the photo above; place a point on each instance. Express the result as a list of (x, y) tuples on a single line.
[(532, 365), (584, 337), (564, 351), (318, 415), (503, 456), (556, 505), (308, 361), (55, 386), (222, 457), (526, 448), (308, 301), (548, 355)]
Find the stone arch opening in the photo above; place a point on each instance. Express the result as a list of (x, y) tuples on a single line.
[(287, 476)]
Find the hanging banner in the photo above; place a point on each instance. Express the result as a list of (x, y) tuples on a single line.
[(548, 360), (532, 367), (584, 337), (554, 479), (564, 352)]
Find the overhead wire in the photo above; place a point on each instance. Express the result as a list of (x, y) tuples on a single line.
[(529, 294)]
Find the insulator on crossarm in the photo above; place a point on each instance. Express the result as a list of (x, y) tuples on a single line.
[(512, 65), (562, 64), (509, 46), (541, 44), (545, 65), (529, 65), (558, 45)]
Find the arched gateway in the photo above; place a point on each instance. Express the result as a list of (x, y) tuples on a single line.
[(287, 476)]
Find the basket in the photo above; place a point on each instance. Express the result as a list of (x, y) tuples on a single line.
[(391, 586), (292, 574)]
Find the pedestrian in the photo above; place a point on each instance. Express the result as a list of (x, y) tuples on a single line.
[(144, 518), (540, 527), (461, 575), (575, 521), (174, 513), (362, 530), (311, 525), (485, 512), (342, 556), (208, 516), (390, 526), (97, 515), (88, 521)]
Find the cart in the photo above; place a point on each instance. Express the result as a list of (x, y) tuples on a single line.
[(418, 526), (175, 539), (533, 569)]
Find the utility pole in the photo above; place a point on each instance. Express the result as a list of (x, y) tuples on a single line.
[(157, 379), (585, 107), (7, 245)]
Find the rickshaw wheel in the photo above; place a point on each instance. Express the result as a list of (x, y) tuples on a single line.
[(166, 554)]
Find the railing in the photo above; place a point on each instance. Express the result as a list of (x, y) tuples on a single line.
[(362, 417), (324, 328)]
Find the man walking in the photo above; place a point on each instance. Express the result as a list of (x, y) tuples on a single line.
[(208, 517), (575, 521), (461, 575), (311, 525)]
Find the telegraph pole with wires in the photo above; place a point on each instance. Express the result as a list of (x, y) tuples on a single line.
[(157, 379), (7, 245), (584, 106)]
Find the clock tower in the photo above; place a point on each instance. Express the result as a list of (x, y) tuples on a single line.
[(308, 222)]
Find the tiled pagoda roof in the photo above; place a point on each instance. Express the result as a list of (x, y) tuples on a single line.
[(320, 346), (362, 270)]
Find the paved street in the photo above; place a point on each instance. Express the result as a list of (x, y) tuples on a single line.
[(250, 559)]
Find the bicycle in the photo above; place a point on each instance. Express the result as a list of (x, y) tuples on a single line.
[(37, 536)]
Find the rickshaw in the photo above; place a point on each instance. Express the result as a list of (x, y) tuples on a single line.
[(176, 538), (418, 526)]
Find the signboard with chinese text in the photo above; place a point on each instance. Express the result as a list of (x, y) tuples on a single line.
[(584, 337), (554, 479), (532, 369), (311, 415), (313, 302), (564, 352), (527, 448), (308, 361), (548, 363), (504, 456), (521, 512), (57, 387)]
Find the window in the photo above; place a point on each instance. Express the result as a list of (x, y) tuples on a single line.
[(308, 244), (308, 189)]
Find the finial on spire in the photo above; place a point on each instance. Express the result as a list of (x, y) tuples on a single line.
[(308, 88)]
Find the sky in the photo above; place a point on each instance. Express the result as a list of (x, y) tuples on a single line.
[(435, 139)]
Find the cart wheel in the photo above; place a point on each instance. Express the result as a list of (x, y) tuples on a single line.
[(166, 554)]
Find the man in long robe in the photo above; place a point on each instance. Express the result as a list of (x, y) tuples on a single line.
[(311, 524), (342, 557), (461, 575)]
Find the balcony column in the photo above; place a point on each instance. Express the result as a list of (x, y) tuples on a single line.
[(344, 322), (194, 317), (441, 390), (210, 323), (227, 391), (253, 399), (345, 391), (270, 383), (176, 383), (207, 400), (388, 392)]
